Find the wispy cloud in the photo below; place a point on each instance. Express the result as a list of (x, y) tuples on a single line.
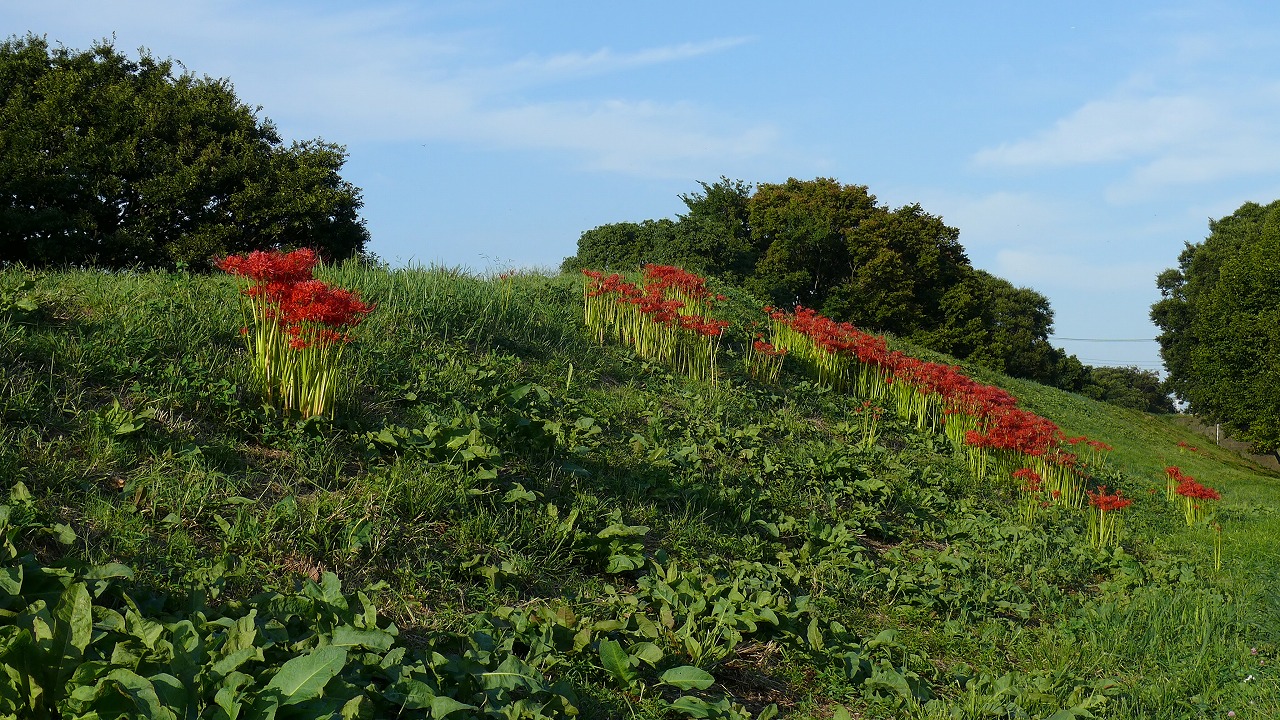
[(375, 74), (1111, 130), (1157, 142), (607, 60)]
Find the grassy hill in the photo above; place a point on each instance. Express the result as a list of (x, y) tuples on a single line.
[(508, 519)]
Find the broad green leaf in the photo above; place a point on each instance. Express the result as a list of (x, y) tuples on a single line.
[(888, 680), (262, 707), (622, 530), (11, 581), (696, 707), (72, 631), (242, 634), (229, 697), (62, 533), (410, 694), (647, 652), (814, 635), (303, 677), (512, 674), (147, 631), (443, 706), (174, 693), (347, 636), (581, 639), (617, 662), (228, 663), (623, 563), (688, 677), (109, 571), (20, 495), (141, 692), (356, 707)]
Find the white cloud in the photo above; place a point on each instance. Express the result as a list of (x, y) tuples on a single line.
[(1158, 143), (375, 74), (1111, 130), (1000, 218), (605, 60)]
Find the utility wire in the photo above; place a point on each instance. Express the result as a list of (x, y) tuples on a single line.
[(1054, 337)]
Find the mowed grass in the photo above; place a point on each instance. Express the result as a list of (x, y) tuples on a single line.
[(488, 457)]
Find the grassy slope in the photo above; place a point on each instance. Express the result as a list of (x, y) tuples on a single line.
[(611, 467)]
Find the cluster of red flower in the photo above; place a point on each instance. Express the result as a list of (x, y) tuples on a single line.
[(270, 268), (765, 348), (667, 296), (1030, 479), (1188, 487), (1108, 503), (283, 291), (666, 317), (993, 414), (1193, 495)]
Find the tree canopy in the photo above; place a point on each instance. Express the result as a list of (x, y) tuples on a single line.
[(1219, 316), (114, 162)]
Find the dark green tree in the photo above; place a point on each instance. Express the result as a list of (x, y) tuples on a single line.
[(120, 163), (989, 321), (1130, 387), (626, 246), (1219, 316), (802, 232), (717, 229)]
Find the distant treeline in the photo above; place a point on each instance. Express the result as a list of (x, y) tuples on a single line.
[(834, 248)]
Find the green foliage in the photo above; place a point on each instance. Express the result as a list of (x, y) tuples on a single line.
[(625, 246), (533, 541), (1218, 320), (119, 163), (991, 322), (1129, 387)]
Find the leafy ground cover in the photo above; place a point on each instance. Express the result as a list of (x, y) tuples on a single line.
[(507, 518)]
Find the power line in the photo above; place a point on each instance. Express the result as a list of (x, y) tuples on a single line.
[(1054, 337)]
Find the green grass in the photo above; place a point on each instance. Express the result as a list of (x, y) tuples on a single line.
[(491, 467)]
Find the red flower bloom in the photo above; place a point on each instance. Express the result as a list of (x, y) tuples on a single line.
[(1030, 479), (1189, 488), (1108, 503)]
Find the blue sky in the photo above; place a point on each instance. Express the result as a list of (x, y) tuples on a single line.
[(1076, 146)]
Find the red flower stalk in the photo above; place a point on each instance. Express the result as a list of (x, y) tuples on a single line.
[(297, 322)]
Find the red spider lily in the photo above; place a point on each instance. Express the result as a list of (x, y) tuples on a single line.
[(765, 348), (272, 267), (1190, 491), (1108, 503), (1189, 488), (1103, 525), (1030, 479), (666, 317), (313, 301), (298, 327)]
